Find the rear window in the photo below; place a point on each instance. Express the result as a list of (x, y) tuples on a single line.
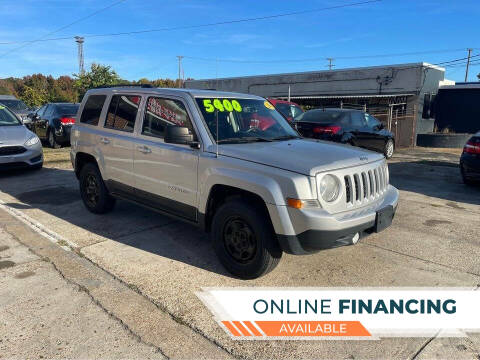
[(122, 112), (92, 109), (323, 117), (289, 110), (70, 109)]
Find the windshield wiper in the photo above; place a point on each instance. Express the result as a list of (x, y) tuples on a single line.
[(244, 139), (286, 137)]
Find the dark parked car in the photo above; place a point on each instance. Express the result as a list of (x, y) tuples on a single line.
[(470, 161), (347, 126), (16, 106), (52, 123)]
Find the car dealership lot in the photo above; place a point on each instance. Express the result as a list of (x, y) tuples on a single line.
[(433, 242)]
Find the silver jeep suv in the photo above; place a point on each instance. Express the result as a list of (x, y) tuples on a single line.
[(232, 165)]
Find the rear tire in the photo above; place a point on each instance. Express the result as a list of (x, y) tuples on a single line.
[(94, 193), (52, 141), (389, 149), (244, 240), (465, 179)]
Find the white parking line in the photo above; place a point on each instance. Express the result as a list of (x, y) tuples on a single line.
[(38, 227)]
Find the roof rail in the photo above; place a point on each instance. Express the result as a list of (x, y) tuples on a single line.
[(124, 85)]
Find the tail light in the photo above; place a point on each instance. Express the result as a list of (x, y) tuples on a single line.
[(326, 129), (67, 121), (472, 146)]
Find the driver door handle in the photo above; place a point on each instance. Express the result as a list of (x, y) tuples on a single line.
[(105, 141), (144, 149)]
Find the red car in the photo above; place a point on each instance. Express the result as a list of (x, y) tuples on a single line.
[(287, 108)]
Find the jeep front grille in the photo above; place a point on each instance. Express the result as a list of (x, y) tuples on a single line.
[(365, 186)]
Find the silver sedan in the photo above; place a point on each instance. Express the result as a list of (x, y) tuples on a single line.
[(19, 147)]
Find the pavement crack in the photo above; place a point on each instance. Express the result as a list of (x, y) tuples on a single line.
[(163, 309), (423, 346), (142, 230), (419, 258), (85, 290)]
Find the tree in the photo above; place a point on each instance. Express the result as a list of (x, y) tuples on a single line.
[(33, 97), (99, 75)]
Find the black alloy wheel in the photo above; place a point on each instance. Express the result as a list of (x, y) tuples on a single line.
[(240, 240)]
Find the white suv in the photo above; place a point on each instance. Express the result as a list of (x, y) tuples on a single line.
[(232, 165)]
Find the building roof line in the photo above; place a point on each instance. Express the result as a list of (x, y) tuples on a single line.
[(396, 66)]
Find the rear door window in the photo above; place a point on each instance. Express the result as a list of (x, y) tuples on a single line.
[(357, 119), (122, 112), (49, 111), (371, 121), (160, 113), (92, 109)]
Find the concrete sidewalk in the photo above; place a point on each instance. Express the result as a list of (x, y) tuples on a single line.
[(56, 304)]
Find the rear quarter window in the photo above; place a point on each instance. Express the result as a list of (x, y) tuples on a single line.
[(92, 109), (122, 112)]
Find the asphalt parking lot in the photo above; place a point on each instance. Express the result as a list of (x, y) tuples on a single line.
[(433, 242)]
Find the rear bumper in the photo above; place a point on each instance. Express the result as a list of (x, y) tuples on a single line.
[(317, 230), (62, 134), (471, 165)]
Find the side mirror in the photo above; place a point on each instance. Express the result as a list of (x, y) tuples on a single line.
[(178, 135)]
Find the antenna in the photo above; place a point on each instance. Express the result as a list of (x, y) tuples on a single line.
[(80, 40), (216, 132)]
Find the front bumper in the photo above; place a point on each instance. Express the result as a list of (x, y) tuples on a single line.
[(31, 158), (315, 229)]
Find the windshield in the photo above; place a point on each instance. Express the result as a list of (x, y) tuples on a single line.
[(244, 120), (7, 118), (15, 105), (289, 110), (320, 116), (69, 109)]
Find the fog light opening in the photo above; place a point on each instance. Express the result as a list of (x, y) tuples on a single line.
[(355, 238)]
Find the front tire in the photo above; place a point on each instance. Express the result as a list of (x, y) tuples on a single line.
[(244, 240), (52, 141), (389, 149), (94, 193)]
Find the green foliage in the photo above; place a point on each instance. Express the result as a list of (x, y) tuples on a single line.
[(38, 89), (99, 75)]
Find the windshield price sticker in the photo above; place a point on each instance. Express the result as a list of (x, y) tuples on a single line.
[(221, 105), (268, 105)]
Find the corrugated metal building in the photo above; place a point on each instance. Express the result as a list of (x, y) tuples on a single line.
[(394, 93)]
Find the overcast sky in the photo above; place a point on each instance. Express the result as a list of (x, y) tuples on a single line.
[(386, 27)]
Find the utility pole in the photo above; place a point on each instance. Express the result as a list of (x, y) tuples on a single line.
[(330, 63), (80, 40), (180, 83), (468, 63)]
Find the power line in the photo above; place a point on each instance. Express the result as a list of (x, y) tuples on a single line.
[(308, 59), (26, 43), (258, 18)]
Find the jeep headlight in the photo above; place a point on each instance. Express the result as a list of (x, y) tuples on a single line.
[(329, 188), (32, 141)]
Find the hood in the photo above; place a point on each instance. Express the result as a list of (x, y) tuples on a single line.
[(303, 156), (13, 135)]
